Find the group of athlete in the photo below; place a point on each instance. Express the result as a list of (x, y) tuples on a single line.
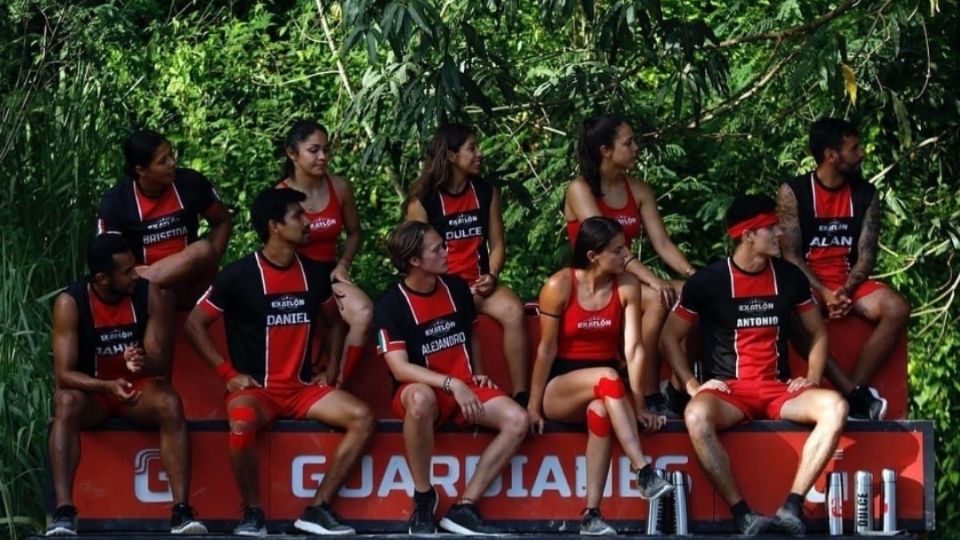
[(604, 321)]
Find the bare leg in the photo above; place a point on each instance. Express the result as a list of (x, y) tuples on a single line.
[(504, 415), (244, 460), (342, 410), (73, 411), (651, 321), (828, 411), (598, 458), (890, 312), (705, 416), (420, 405), (356, 310), (505, 307), (159, 404)]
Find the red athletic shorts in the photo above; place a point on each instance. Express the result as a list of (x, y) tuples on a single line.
[(285, 402), (757, 399), (867, 287), (447, 404), (113, 405)]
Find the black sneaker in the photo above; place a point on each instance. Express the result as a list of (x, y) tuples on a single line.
[(464, 519), (592, 524), (252, 523), (424, 507), (650, 485), (676, 399), (657, 404), (322, 519), (866, 404), (182, 521), (788, 522), (64, 522), (752, 524)]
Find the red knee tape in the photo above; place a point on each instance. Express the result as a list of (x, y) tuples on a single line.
[(597, 424), (239, 440), (612, 388)]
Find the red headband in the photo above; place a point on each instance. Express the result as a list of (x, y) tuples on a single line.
[(758, 221)]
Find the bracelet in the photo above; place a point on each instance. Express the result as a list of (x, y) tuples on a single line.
[(226, 371), (446, 384)]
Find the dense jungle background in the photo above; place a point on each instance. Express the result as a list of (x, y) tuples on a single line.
[(721, 91)]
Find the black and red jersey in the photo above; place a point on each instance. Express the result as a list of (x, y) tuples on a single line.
[(270, 314), (157, 227), (433, 328), (830, 223), (463, 220), (746, 316), (590, 334), (105, 329)]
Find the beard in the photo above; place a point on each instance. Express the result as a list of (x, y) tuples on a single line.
[(853, 173)]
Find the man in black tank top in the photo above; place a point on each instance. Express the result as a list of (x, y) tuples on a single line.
[(111, 335), (745, 304), (423, 333), (831, 226)]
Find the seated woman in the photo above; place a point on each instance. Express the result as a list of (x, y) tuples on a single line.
[(585, 312), (451, 196), (157, 209), (607, 149), (331, 210)]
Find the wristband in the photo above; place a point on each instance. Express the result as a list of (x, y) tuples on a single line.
[(225, 371), (446, 384)]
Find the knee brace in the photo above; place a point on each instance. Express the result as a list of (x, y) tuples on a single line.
[(612, 388), (598, 424), (240, 440)]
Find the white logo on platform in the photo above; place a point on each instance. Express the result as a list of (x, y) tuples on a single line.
[(148, 470)]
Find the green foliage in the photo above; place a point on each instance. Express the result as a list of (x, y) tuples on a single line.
[(720, 91)]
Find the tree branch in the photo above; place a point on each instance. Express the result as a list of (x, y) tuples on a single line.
[(780, 35)]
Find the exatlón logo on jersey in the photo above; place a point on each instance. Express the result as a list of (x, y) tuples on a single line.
[(595, 322), (288, 303)]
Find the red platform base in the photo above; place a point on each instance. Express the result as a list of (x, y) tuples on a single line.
[(120, 477)]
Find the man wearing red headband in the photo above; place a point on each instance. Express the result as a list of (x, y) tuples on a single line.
[(745, 304), (831, 222)]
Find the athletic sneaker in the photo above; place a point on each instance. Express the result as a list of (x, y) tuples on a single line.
[(657, 404), (752, 524), (464, 519), (592, 524), (650, 485), (866, 404), (182, 521), (64, 522), (424, 507), (788, 522), (321, 519), (252, 523)]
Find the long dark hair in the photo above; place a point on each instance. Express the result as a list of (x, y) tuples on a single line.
[(595, 132), (138, 150), (595, 235), (437, 170), (300, 131)]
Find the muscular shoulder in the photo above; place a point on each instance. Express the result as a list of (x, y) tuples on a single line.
[(342, 186), (642, 191), (579, 187), (629, 287), (555, 293)]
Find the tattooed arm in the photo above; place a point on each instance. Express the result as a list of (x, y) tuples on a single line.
[(867, 246), (791, 241)]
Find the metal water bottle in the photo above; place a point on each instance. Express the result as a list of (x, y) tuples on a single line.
[(835, 504), (655, 510), (889, 493), (863, 514), (680, 503)]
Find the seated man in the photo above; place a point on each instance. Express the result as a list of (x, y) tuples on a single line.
[(745, 304), (111, 336), (423, 332), (270, 300), (831, 222)]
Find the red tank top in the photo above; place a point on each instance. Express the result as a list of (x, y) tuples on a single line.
[(325, 228), (590, 335), (628, 217)]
